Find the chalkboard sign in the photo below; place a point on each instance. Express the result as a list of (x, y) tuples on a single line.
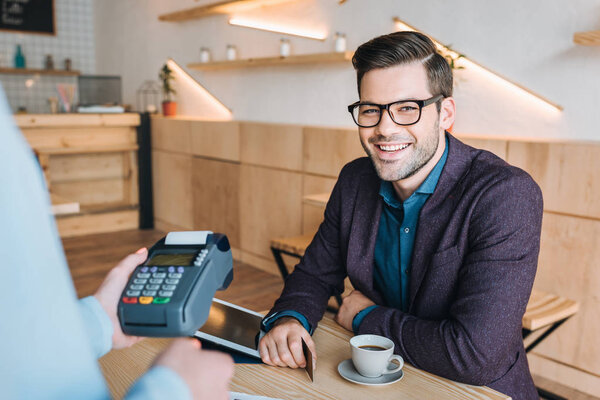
[(27, 16)]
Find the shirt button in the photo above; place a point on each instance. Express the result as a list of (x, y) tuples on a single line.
[(406, 230)]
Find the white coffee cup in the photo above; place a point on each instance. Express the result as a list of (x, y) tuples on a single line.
[(372, 354)]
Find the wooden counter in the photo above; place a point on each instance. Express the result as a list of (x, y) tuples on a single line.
[(91, 160)]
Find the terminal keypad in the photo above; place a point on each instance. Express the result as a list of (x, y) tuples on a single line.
[(154, 285)]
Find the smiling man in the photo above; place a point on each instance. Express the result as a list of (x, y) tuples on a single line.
[(440, 240)]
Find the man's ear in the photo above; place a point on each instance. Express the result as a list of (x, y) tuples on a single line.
[(447, 113)]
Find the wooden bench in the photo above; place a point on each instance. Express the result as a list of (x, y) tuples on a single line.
[(546, 312)]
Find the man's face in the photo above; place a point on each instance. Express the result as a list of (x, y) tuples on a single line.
[(398, 152)]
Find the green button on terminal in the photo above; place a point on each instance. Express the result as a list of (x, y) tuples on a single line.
[(161, 300)]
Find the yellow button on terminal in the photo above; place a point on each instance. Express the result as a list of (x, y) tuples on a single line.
[(146, 300)]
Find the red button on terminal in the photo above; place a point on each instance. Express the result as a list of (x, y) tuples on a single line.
[(130, 300)]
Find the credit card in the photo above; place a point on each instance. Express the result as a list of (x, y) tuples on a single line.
[(309, 361)]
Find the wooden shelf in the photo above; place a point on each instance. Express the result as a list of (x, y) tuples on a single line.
[(267, 61), (92, 149), (591, 38), (221, 7), (28, 71)]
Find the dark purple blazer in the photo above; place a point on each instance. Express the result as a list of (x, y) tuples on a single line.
[(473, 265)]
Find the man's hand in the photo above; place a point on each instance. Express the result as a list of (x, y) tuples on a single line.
[(109, 292), (282, 346), (207, 373), (352, 304)]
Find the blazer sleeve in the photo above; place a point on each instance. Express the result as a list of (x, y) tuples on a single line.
[(321, 272), (494, 285)]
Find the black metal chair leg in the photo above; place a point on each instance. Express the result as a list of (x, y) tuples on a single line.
[(280, 264), (544, 394)]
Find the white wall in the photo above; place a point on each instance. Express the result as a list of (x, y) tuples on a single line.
[(529, 42), (74, 39)]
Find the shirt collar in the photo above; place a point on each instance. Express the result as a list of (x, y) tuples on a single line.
[(387, 192)]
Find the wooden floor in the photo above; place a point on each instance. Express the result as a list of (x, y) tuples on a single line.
[(91, 257)]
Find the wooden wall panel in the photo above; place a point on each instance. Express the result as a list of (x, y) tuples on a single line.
[(216, 197), (219, 140), (327, 150), (172, 183), (131, 193), (565, 375), (171, 134), (270, 206), (79, 137), (66, 168), (568, 266), (496, 146), (271, 145), (568, 173), (263, 263), (312, 215), (86, 224), (91, 192)]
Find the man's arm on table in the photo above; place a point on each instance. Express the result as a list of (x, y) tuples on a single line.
[(305, 294), (493, 288)]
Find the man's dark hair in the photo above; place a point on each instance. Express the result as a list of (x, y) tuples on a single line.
[(403, 48)]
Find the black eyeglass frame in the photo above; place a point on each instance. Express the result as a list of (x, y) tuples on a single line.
[(420, 103)]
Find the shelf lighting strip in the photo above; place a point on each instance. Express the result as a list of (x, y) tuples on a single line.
[(270, 27), (470, 64), (222, 111)]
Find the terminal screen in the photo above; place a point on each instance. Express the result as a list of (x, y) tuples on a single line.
[(172, 259)]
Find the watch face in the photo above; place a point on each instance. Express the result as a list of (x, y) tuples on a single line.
[(172, 259)]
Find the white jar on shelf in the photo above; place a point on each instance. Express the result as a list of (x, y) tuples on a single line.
[(284, 48), (340, 42), (204, 55), (231, 52)]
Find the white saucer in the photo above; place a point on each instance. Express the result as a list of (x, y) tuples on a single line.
[(349, 373)]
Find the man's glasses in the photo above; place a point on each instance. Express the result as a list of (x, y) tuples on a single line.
[(402, 112)]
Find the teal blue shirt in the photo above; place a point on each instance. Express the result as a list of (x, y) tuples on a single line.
[(395, 239)]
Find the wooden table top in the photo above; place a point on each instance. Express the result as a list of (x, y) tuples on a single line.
[(122, 367)]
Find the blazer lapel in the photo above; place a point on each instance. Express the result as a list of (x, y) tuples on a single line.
[(436, 212), (363, 234)]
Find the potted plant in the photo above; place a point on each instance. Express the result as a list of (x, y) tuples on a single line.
[(168, 105)]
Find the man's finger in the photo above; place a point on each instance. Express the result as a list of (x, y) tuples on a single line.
[(295, 346), (264, 353), (129, 263), (272, 348), (287, 360)]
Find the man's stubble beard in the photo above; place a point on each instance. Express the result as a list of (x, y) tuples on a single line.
[(422, 154)]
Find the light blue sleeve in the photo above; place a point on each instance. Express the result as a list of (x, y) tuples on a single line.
[(159, 383), (98, 326), (49, 342), (44, 351)]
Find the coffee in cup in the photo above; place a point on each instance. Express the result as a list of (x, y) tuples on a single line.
[(372, 355)]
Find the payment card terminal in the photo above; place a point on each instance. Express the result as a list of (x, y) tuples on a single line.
[(171, 293)]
